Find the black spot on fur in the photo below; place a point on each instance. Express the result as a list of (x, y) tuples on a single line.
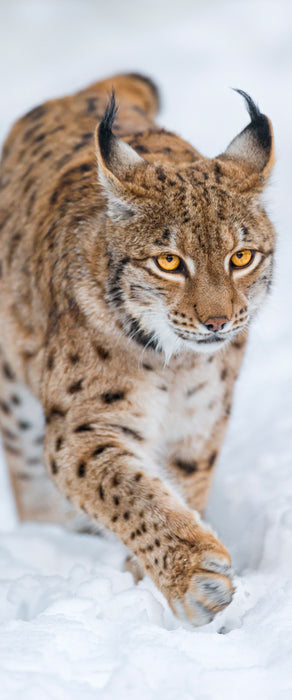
[(54, 196), (51, 361), (112, 396), (141, 149), (217, 172), (224, 373), (78, 146), (91, 104), (126, 515), (195, 389), (74, 358), (5, 408), (146, 366), (64, 160), (101, 352), (7, 371), (12, 450), (81, 469), (101, 494), (59, 443), (24, 425), (54, 467), (15, 400), (55, 412), (83, 428), (39, 138), (75, 387), (129, 431), (212, 459), (187, 467), (99, 450), (87, 135), (46, 155), (30, 204), (13, 245), (160, 174)]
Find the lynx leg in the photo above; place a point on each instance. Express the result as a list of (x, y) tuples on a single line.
[(22, 431), (97, 467)]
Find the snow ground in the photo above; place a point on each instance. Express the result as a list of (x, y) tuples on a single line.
[(73, 625)]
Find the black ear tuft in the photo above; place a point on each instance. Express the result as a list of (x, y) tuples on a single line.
[(252, 108), (255, 144), (105, 134), (259, 125)]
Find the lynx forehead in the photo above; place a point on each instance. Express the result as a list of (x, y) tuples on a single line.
[(127, 261)]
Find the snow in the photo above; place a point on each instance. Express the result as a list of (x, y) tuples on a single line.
[(73, 625)]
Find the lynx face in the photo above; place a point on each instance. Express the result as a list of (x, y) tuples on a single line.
[(191, 252)]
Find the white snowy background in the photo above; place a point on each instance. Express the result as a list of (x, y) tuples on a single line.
[(73, 625)]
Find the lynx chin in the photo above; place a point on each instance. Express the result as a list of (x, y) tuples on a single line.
[(130, 268)]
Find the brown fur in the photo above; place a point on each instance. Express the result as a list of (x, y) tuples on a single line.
[(130, 439)]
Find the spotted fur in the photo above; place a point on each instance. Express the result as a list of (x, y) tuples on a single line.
[(113, 364)]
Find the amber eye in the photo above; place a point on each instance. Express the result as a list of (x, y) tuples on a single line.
[(168, 262), (242, 258)]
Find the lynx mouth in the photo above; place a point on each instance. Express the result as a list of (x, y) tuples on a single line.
[(214, 339)]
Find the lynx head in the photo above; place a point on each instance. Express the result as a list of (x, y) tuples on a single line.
[(190, 247)]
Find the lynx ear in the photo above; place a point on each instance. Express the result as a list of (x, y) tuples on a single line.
[(116, 159), (255, 144)]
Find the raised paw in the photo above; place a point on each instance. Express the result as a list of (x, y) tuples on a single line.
[(210, 589), (201, 580)]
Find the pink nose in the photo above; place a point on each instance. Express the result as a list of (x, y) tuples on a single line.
[(216, 324)]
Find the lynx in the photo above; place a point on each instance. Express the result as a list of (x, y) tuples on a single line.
[(130, 269)]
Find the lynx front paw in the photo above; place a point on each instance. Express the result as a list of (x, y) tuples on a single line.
[(201, 581), (210, 589)]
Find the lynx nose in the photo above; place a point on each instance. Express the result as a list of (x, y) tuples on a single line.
[(216, 324)]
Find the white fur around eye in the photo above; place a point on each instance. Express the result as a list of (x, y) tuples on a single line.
[(190, 265)]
